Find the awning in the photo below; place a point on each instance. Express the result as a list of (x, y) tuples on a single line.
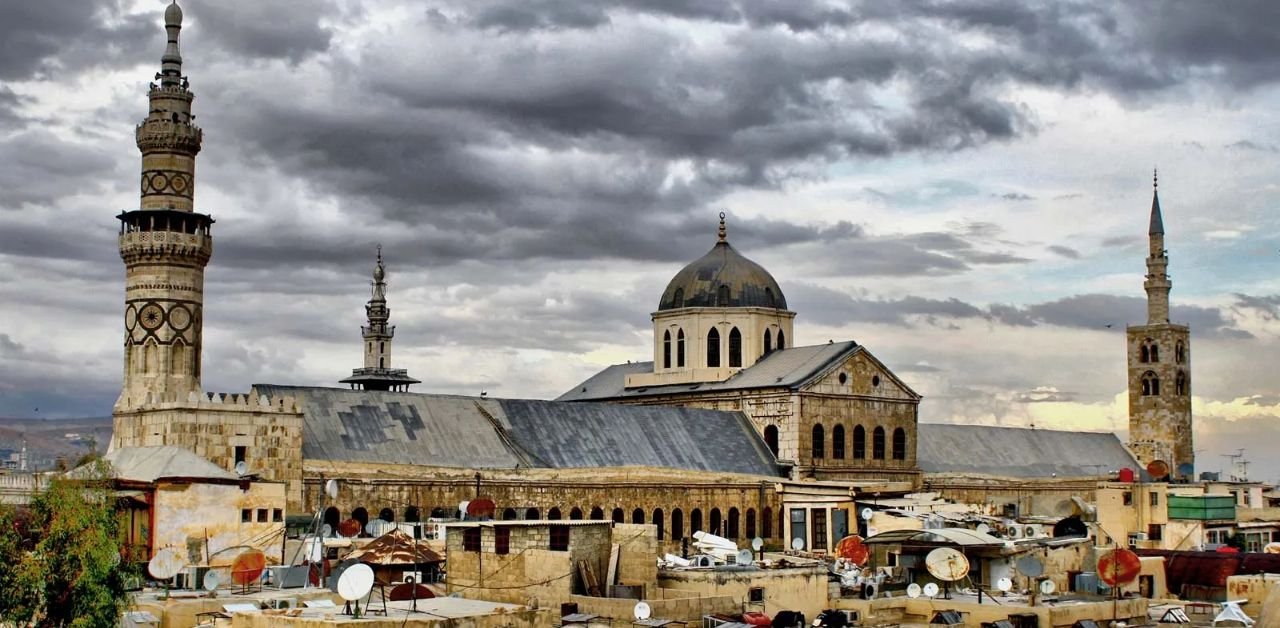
[(963, 537)]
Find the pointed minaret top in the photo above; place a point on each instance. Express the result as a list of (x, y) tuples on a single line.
[(723, 232), (171, 63), (1157, 221)]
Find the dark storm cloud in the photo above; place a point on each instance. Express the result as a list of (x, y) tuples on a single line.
[(280, 29), (1064, 251), (57, 39), (1266, 306), (39, 168)]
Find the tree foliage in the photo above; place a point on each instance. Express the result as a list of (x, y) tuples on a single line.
[(64, 568)]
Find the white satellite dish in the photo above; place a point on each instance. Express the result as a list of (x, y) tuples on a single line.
[(797, 543), (166, 564), (758, 543), (745, 557), (462, 509), (326, 530), (930, 590), (1004, 584), (641, 611), (336, 575), (913, 590), (867, 514), (947, 564), (242, 468), (331, 489), (983, 528), (212, 580), (1047, 587), (356, 582), (313, 549)]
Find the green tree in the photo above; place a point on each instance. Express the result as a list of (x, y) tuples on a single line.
[(73, 575)]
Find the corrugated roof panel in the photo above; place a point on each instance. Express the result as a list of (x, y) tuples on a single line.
[(1009, 451)]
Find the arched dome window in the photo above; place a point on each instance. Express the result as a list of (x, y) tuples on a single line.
[(819, 441), (666, 349), (1150, 384), (735, 348), (877, 443), (782, 340), (722, 296), (768, 342), (899, 444), (713, 348), (680, 348)]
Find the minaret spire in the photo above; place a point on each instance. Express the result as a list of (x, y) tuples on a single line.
[(170, 74), (724, 233), (377, 373), (1157, 284)]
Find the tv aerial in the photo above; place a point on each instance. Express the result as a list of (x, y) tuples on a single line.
[(355, 582), (948, 565), (867, 514), (930, 590), (757, 544), (326, 531), (336, 574), (913, 590), (852, 548), (641, 611), (1119, 567)]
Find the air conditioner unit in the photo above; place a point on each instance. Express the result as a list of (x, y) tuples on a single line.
[(190, 578), (411, 576), (1137, 536), (282, 603)]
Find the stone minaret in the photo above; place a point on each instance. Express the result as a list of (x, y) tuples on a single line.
[(377, 373), (1159, 356), (165, 244)]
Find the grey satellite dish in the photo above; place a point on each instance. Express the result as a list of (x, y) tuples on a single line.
[(745, 557), (797, 544), (867, 514), (242, 468), (1030, 566), (1047, 587), (326, 530), (1004, 584), (983, 528), (757, 544), (356, 582), (212, 580), (166, 564), (331, 489), (913, 590), (930, 590), (641, 611)]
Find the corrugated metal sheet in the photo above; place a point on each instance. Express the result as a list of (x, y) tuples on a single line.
[(470, 432), (148, 464), (1028, 453), (1202, 507), (786, 368)]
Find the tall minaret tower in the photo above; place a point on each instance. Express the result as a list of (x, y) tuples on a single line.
[(165, 244), (1160, 367), (377, 373)]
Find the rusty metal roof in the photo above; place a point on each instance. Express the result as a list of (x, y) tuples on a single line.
[(396, 548)]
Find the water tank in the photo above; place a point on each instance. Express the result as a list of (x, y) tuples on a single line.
[(1087, 582), (1126, 475)]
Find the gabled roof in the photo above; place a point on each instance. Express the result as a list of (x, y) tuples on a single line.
[(150, 464), (789, 368), (1018, 452), (478, 433)]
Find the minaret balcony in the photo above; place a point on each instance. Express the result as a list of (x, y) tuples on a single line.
[(160, 134)]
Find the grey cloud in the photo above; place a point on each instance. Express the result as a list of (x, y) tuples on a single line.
[(1064, 251), (1120, 241), (1068, 197), (1267, 306), (10, 348), (1044, 395), (48, 39), (40, 167), (280, 29), (1016, 196), (1253, 146)]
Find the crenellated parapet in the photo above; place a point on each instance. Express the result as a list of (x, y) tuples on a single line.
[(197, 400)]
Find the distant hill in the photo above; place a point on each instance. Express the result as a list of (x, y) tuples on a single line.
[(50, 439)]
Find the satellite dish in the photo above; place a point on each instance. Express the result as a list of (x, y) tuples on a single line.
[(331, 489), (1030, 566), (1047, 587), (313, 549), (1157, 469), (326, 530), (336, 574), (212, 580), (166, 564), (757, 544), (745, 557), (930, 590), (248, 567), (1119, 567), (852, 548), (983, 528), (642, 611), (462, 509), (947, 564), (797, 543), (913, 590), (1004, 584), (481, 508), (356, 582), (241, 468), (1186, 469), (867, 514), (349, 528)]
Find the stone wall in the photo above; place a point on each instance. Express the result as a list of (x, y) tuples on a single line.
[(202, 519), (638, 551), (531, 573), (684, 606), (801, 589)]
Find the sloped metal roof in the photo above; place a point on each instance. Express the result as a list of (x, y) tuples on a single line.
[(472, 432), (939, 536), (1019, 452), (787, 368), (148, 464)]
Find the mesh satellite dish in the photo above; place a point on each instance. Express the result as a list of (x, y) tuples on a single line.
[(1158, 469), (242, 468), (947, 564), (1047, 587), (349, 528), (913, 590), (1030, 566), (797, 544), (212, 580), (247, 568), (867, 514), (355, 583), (331, 489), (930, 590), (1119, 567), (852, 548), (745, 557), (1004, 584), (983, 528), (481, 508), (166, 564), (757, 544), (326, 530), (641, 611)]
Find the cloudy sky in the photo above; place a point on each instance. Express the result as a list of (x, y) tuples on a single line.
[(963, 187)]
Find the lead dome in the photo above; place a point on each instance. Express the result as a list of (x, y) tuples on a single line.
[(722, 278)]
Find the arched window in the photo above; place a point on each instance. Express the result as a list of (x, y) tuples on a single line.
[(1150, 384), (619, 516), (677, 524), (509, 514), (766, 522), (731, 529), (837, 442), (575, 514), (751, 523), (597, 513), (735, 348), (678, 299), (768, 342), (722, 296), (714, 522), (782, 340), (877, 443), (554, 514), (899, 444), (440, 512), (1155, 352), (771, 439), (713, 348), (532, 514), (859, 442), (361, 515), (679, 348), (819, 441), (1180, 384), (411, 514), (637, 516), (657, 521), (1144, 354), (1180, 353), (382, 347), (331, 517), (666, 349), (695, 521), (387, 514)]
